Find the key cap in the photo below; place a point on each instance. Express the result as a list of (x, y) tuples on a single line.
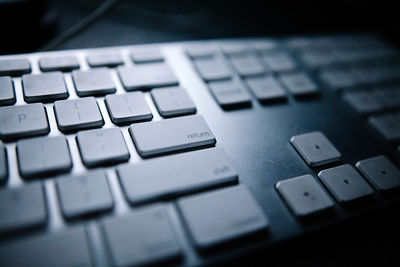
[(62, 249), (160, 137), (147, 55), (44, 87), (3, 164), (187, 173), (247, 65), (43, 156), (104, 60), (266, 88), (23, 121), (315, 149), (63, 63), (279, 61), (7, 94), (200, 51), (230, 94), (380, 172), (102, 146), (173, 101), (14, 67), (233, 48), (388, 125), (299, 84), (338, 78), (304, 196), (345, 184), (390, 96), (147, 76), (211, 69), (263, 45), (93, 82), (22, 208), (129, 107), (84, 195), (77, 114), (143, 237), (364, 102), (221, 216)]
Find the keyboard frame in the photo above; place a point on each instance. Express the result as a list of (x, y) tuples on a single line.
[(255, 139)]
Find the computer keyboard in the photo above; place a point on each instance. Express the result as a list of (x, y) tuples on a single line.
[(193, 153)]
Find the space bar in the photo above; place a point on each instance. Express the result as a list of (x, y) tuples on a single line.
[(161, 137)]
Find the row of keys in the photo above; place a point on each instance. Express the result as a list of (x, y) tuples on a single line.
[(306, 197), (84, 113), (43, 156), (146, 236), (15, 67), (51, 86)]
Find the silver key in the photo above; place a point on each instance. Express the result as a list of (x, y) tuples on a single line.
[(221, 216), (23, 121), (187, 173), (93, 82), (380, 172), (212, 69), (364, 102), (160, 137), (388, 125), (147, 55), (173, 101), (43, 155), (279, 61), (128, 107), (104, 60), (315, 149), (266, 88), (147, 76), (14, 67), (230, 94), (299, 84), (64, 63), (7, 94), (304, 195), (247, 65), (44, 87), (345, 183)]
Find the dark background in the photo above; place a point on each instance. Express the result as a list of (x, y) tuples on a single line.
[(27, 25)]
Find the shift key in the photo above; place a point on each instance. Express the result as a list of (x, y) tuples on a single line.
[(161, 137)]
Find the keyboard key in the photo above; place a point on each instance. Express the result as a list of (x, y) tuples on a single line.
[(43, 156), (147, 76), (230, 94), (266, 88), (14, 67), (390, 96), (102, 146), (364, 102), (388, 125), (104, 60), (304, 196), (7, 94), (44, 87), (173, 101), (338, 78), (187, 173), (234, 48), (3, 164), (211, 69), (84, 195), (221, 216), (380, 172), (144, 237), (200, 51), (177, 134), (22, 208), (93, 82), (128, 107), (78, 114), (279, 61), (23, 121), (61, 249), (345, 183), (315, 149), (299, 84), (247, 65), (64, 63), (263, 45), (147, 55)]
